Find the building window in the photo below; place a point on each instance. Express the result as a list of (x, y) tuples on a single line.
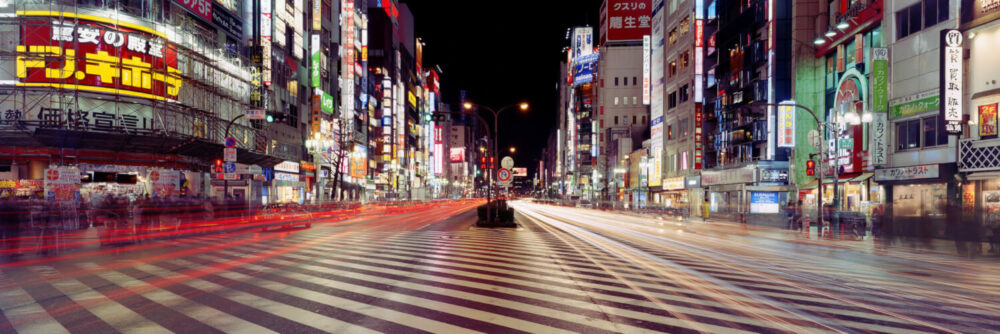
[(602, 124), (625, 81), (643, 120), (673, 68), (670, 132), (635, 100), (634, 119), (625, 100), (616, 100), (635, 81), (685, 25), (908, 135), (672, 38), (925, 14), (672, 101), (616, 81), (683, 94), (684, 128), (930, 132), (616, 120)]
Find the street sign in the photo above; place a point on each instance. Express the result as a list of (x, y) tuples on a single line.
[(231, 176), (230, 142), (229, 154), (503, 175), (229, 167), (507, 162), (255, 113)]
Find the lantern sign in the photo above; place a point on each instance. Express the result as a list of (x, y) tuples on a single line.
[(951, 80)]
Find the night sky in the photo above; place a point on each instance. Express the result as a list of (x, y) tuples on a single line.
[(503, 52)]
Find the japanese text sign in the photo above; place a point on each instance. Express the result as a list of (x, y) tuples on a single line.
[(99, 57), (626, 20)]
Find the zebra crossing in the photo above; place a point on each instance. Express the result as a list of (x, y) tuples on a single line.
[(561, 272)]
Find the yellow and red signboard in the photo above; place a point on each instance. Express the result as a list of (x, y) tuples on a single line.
[(97, 56), (988, 120)]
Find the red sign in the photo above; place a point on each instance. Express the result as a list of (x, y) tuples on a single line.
[(52, 174), (699, 33), (100, 57), (202, 8), (457, 154), (625, 20), (988, 120), (437, 134), (697, 135), (390, 8)]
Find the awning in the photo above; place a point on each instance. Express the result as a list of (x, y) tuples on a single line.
[(862, 177), (983, 176)]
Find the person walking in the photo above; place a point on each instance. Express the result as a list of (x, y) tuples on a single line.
[(705, 209), (10, 225)]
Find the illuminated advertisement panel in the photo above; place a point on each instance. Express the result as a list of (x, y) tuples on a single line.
[(99, 57), (627, 20)]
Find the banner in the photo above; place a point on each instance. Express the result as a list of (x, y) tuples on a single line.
[(880, 79), (165, 183)]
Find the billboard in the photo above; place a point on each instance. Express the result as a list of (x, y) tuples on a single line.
[(786, 124), (646, 49), (625, 20), (99, 57), (456, 154), (583, 42), (520, 172), (583, 69), (655, 162)]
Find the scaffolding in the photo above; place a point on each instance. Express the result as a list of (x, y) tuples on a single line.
[(191, 93)]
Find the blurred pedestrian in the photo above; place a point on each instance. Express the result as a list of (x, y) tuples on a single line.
[(876, 217), (10, 225), (705, 209)]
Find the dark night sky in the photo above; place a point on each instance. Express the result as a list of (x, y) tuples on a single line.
[(503, 52)]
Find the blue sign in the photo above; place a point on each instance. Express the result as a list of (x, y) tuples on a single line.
[(764, 202), (583, 69), (230, 167)]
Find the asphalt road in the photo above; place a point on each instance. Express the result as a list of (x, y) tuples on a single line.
[(561, 270)]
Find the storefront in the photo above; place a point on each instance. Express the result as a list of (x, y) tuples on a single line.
[(727, 190), (287, 185), (674, 194), (918, 199)]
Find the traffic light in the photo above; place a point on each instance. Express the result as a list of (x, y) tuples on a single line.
[(482, 163), (218, 166), (275, 117), (810, 167)]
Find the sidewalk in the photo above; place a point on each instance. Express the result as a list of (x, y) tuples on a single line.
[(868, 244)]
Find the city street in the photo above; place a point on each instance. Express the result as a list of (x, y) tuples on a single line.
[(429, 269)]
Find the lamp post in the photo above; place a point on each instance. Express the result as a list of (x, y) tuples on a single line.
[(469, 106)]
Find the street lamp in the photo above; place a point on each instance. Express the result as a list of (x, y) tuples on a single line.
[(469, 106), (513, 150)]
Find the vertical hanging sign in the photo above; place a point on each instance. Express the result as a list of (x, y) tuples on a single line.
[(951, 80), (646, 40), (786, 124), (880, 106)]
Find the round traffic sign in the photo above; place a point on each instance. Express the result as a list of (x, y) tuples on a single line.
[(503, 175), (230, 142), (507, 162)]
